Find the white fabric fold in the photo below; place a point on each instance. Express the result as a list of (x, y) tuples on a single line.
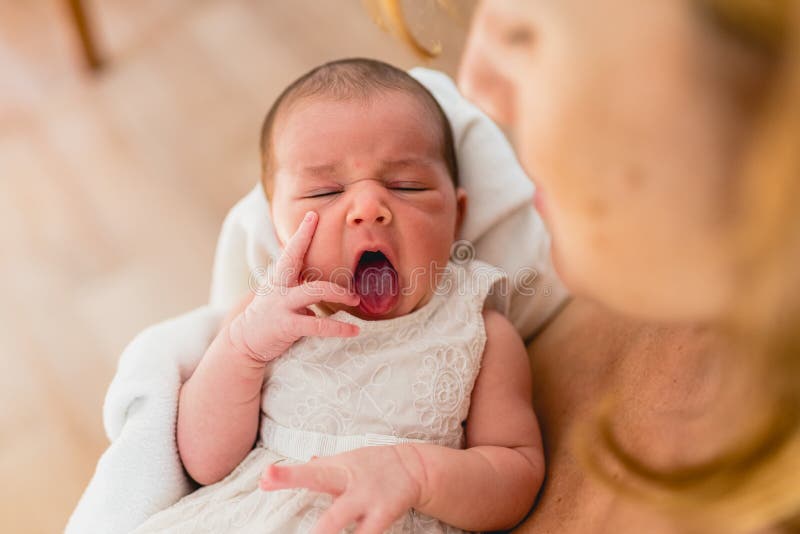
[(140, 473)]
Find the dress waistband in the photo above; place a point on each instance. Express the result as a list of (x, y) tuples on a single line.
[(303, 444)]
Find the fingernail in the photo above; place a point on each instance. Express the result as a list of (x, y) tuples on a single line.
[(309, 216)]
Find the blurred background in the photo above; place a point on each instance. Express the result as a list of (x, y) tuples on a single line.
[(114, 181)]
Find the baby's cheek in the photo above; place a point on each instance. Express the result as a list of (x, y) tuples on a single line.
[(434, 209), (433, 251), (320, 262)]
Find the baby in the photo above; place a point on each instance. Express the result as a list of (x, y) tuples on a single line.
[(348, 391)]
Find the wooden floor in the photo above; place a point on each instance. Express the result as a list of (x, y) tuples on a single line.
[(113, 188)]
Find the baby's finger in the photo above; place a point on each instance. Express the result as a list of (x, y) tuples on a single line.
[(344, 511), (324, 327), (290, 263), (375, 522), (313, 292), (316, 477)]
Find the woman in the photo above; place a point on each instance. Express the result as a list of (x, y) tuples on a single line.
[(664, 140)]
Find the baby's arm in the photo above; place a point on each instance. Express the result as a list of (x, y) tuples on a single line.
[(489, 486), (218, 407)]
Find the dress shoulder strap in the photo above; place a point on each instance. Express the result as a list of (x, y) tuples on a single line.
[(482, 284)]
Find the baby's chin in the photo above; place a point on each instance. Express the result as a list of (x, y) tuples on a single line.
[(363, 312), (405, 304)]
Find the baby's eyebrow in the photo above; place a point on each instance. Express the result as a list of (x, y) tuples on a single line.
[(320, 170), (391, 164), (408, 162)]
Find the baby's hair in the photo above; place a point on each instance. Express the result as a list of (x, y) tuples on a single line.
[(354, 78)]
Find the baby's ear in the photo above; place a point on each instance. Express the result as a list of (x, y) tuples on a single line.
[(461, 210)]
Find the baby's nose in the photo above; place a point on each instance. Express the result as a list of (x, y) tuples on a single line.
[(369, 209)]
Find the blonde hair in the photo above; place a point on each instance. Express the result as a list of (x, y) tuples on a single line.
[(756, 483)]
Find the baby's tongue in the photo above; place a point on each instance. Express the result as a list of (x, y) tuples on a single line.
[(376, 282)]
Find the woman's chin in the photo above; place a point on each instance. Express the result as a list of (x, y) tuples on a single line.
[(583, 281), (561, 267), (648, 298)]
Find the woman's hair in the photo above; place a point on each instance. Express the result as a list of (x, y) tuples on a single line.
[(756, 482), (354, 79)]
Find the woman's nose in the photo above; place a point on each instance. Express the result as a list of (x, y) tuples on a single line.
[(368, 208), (482, 83)]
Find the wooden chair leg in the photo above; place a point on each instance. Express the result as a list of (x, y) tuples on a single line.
[(83, 28)]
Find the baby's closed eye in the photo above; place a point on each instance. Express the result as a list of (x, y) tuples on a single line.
[(408, 186), (323, 193)]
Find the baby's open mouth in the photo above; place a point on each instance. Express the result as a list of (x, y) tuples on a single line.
[(376, 282)]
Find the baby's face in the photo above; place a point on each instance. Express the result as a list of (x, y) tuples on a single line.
[(373, 171)]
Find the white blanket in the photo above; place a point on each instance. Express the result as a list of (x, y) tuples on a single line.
[(140, 473)]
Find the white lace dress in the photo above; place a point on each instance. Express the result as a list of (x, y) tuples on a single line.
[(402, 379)]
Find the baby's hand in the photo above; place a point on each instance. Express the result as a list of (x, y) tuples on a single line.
[(372, 486), (272, 322)]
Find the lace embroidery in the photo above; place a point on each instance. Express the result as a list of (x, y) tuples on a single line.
[(440, 389)]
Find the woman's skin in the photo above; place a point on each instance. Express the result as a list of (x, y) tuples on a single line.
[(629, 116), (667, 382)]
